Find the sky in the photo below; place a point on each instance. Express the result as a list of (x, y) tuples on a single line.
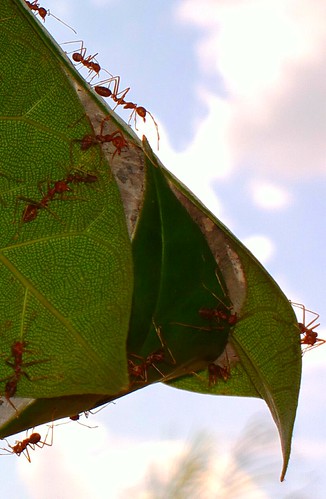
[(237, 88)]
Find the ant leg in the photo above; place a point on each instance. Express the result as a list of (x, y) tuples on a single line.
[(156, 126), (42, 444), (60, 21), (6, 450), (304, 310), (82, 49), (158, 331), (26, 454)]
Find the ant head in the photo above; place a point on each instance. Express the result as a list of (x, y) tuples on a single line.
[(302, 327), (141, 111)]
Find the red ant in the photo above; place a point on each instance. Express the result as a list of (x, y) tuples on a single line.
[(215, 372), (33, 441), (211, 314), (310, 337), (116, 138), (17, 350), (31, 210), (35, 6), (87, 62), (221, 367), (76, 417), (216, 313), (141, 370), (119, 99), (42, 12), (59, 187)]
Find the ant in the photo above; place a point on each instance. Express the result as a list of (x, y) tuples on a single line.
[(141, 370), (59, 187), (42, 12), (215, 372), (119, 99), (215, 313), (87, 62), (33, 441), (76, 417), (220, 369), (116, 138), (17, 350), (310, 337), (36, 7), (31, 210)]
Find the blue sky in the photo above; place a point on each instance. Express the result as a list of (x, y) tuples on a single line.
[(237, 88)]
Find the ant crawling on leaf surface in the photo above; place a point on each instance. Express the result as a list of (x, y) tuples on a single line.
[(217, 313), (140, 370), (116, 95), (215, 372), (94, 139), (59, 187), (42, 12), (309, 336), (119, 98), (15, 361), (88, 62), (220, 316), (116, 138)]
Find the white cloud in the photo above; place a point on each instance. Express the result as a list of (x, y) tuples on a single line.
[(261, 246), (270, 56), (206, 158), (91, 463), (269, 196)]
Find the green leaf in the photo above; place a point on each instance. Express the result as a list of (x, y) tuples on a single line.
[(66, 275), (175, 273), (264, 351)]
